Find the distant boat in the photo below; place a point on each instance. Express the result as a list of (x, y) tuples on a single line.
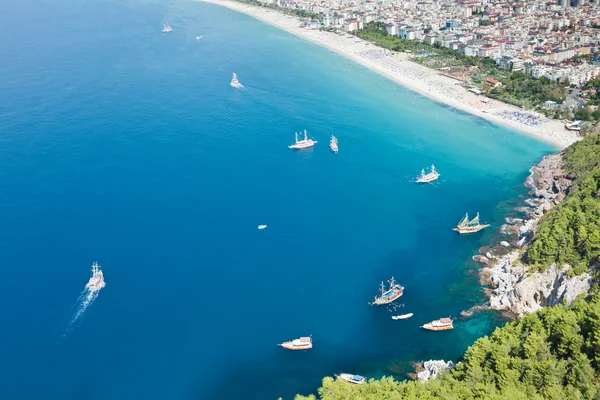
[(389, 295), (96, 282), (234, 82), (442, 324), (428, 177), (166, 28), (198, 37), (262, 226), (403, 316), (304, 343), (352, 379), (304, 143), (466, 226), (333, 144)]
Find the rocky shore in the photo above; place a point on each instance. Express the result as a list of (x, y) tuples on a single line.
[(427, 370), (511, 286)]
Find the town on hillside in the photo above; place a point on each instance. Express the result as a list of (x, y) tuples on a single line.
[(555, 41)]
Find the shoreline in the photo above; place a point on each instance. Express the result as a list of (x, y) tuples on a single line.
[(512, 287), (398, 68)]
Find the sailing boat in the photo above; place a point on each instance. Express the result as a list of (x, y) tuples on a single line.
[(429, 177), (96, 281), (466, 226), (234, 82), (333, 144), (304, 143), (167, 28), (389, 295)]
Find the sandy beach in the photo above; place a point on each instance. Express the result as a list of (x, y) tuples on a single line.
[(421, 79)]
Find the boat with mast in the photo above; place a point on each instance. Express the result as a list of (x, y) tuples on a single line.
[(333, 144), (428, 177), (351, 378), (166, 28), (442, 324), (234, 82), (304, 343), (96, 281), (387, 296), (466, 226), (304, 143)]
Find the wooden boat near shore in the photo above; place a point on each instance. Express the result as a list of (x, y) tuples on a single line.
[(304, 343), (442, 324), (387, 296)]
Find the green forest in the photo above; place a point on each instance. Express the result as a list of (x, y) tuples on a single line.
[(570, 233), (552, 354)]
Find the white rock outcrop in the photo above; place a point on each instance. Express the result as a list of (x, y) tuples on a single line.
[(519, 289), (519, 292), (432, 368)]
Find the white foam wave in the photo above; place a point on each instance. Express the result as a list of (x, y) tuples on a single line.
[(85, 299)]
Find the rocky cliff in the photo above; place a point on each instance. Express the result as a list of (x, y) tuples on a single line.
[(512, 287)]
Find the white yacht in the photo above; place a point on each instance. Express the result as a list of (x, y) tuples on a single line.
[(166, 28)]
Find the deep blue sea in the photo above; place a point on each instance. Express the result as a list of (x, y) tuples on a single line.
[(124, 145)]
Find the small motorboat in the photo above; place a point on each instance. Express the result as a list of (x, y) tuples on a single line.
[(262, 226), (403, 316), (304, 343), (352, 379)]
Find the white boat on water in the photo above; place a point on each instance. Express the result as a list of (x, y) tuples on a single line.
[(304, 143), (428, 177), (96, 282), (234, 82), (262, 226), (166, 28), (403, 316), (304, 343), (198, 37), (352, 379), (333, 144)]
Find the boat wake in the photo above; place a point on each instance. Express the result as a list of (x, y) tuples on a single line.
[(85, 299), (393, 307), (87, 296)]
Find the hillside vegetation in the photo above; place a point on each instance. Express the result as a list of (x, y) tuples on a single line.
[(570, 233), (552, 354)]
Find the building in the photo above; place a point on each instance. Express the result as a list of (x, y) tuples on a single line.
[(391, 29), (492, 82)]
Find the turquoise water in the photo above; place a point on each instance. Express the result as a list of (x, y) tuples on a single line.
[(127, 146)]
